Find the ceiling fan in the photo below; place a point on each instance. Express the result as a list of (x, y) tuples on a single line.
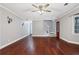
[(76, 14), (41, 8)]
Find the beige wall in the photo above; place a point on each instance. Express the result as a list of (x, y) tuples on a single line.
[(67, 27), (0, 29), (40, 28), (37, 27), (14, 30)]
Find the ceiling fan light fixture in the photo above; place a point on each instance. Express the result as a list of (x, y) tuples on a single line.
[(41, 8), (41, 12)]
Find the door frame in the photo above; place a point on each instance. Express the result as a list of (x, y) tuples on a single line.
[(58, 29)]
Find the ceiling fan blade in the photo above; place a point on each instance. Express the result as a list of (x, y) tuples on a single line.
[(34, 10), (46, 5), (47, 11), (34, 6), (40, 7), (76, 14)]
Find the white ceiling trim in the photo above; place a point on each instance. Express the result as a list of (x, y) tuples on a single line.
[(62, 15), (10, 11), (70, 11)]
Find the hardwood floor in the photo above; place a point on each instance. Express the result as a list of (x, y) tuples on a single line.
[(40, 46)]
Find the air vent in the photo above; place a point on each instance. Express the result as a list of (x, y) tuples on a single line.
[(65, 4)]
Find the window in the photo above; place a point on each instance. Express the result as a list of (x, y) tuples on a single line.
[(77, 24)]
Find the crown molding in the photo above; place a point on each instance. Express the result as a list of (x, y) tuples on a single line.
[(69, 11), (10, 11)]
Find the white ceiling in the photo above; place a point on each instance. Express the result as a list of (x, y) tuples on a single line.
[(24, 10)]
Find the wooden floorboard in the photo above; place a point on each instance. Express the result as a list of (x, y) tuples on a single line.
[(40, 46)]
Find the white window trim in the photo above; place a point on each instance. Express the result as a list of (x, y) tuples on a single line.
[(73, 25)]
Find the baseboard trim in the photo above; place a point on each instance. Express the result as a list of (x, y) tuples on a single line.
[(13, 42), (72, 42), (42, 36)]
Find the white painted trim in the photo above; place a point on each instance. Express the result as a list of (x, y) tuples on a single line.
[(69, 41), (69, 11), (73, 25), (10, 11), (42, 36), (12, 42)]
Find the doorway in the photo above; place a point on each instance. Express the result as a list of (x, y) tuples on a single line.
[(58, 29)]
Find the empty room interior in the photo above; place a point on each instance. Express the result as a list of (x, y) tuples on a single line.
[(39, 28)]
